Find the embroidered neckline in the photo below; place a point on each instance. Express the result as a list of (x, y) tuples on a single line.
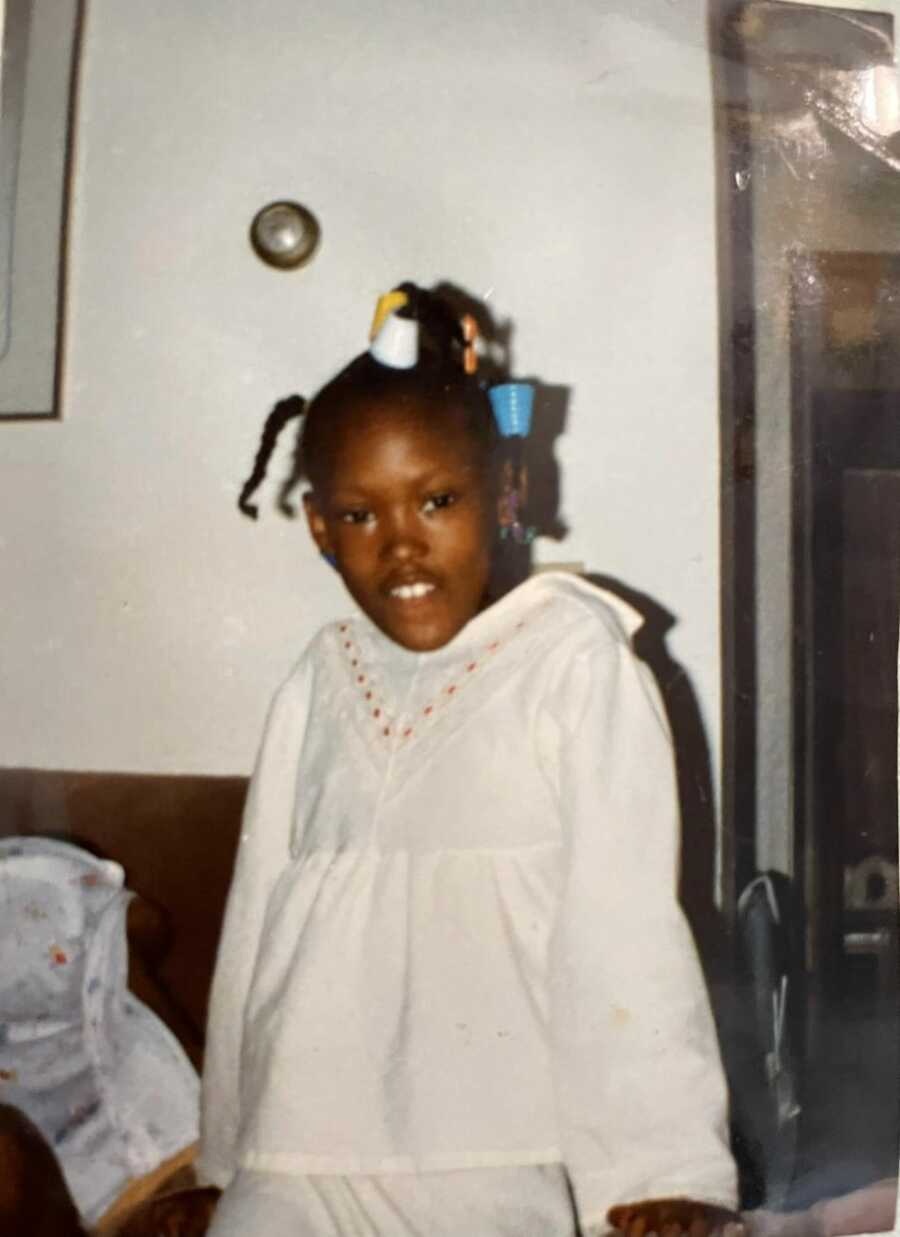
[(381, 719), (365, 683)]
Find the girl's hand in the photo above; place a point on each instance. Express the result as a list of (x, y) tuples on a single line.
[(675, 1217)]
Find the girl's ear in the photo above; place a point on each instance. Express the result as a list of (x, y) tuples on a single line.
[(316, 521)]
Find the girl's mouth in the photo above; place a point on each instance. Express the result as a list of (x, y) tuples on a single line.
[(411, 592)]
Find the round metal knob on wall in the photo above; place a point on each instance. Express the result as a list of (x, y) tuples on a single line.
[(285, 235)]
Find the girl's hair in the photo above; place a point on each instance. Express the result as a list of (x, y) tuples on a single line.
[(438, 380)]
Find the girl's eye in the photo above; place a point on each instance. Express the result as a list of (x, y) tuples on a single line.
[(438, 502), (356, 515)]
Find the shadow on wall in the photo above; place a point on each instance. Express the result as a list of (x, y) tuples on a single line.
[(692, 762)]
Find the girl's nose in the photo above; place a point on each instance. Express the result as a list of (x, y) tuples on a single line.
[(403, 538)]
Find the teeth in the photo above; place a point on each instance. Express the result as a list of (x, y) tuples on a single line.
[(407, 592)]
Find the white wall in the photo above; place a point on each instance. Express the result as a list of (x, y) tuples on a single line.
[(554, 157)]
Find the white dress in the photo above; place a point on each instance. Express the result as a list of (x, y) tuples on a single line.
[(452, 940)]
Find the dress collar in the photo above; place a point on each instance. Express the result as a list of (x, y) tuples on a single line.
[(496, 622)]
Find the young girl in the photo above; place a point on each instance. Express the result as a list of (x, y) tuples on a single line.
[(455, 995)]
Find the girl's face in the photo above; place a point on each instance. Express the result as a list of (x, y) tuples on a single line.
[(405, 511)]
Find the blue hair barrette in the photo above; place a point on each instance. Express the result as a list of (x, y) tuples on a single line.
[(512, 403)]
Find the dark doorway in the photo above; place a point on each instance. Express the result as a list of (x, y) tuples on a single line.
[(847, 608)]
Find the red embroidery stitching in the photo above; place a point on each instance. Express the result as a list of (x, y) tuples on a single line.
[(429, 709)]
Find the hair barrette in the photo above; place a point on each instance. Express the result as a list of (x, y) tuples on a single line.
[(395, 340), (512, 403), (469, 328)]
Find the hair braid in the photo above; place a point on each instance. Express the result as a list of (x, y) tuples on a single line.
[(285, 410)]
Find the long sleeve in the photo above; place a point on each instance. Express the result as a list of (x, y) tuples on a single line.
[(640, 1090), (263, 853)]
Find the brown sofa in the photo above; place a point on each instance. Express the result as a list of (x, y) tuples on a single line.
[(175, 837)]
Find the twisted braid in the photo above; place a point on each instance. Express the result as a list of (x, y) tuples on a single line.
[(285, 410)]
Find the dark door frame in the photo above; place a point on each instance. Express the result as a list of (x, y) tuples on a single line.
[(737, 447)]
